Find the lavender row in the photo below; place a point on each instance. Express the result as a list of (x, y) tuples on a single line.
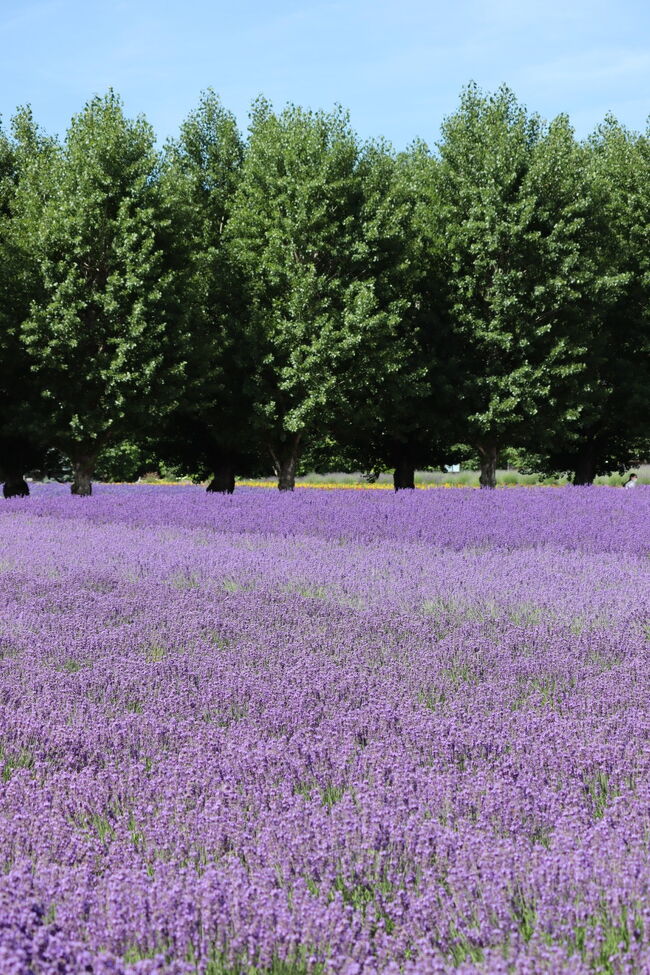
[(574, 519)]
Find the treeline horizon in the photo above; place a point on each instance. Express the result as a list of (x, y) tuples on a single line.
[(230, 304)]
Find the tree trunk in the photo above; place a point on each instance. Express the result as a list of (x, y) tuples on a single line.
[(404, 473), (82, 472), (15, 486), (585, 465), (223, 480), (488, 453), (285, 462)]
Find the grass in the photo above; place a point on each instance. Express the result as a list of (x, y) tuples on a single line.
[(299, 963), (21, 759), (423, 479), (431, 479), (600, 792)]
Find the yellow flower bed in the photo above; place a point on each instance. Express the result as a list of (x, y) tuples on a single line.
[(334, 485)]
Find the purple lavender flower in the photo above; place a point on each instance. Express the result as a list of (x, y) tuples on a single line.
[(332, 732)]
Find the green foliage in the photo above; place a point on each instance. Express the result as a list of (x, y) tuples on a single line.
[(212, 424), (298, 963), (610, 404), (524, 912), (303, 301), (599, 791), (331, 794), (278, 966), (617, 930), (306, 232), (99, 336), (524, 275), (72, 666), (20, 422), (22, 759), (404, 391), (123, 461)]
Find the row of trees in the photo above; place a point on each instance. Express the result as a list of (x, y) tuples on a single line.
[(229, 304)]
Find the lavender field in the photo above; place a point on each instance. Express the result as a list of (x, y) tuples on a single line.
[(332, 732)]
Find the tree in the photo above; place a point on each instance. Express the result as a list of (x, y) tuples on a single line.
[(611, 407), (210, 432), (21, 446), (521, 273), (297, 233), (105, 340), (406, 420)]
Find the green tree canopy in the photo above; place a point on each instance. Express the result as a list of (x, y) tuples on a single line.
[(211, 432), (515, 211), (610, 402), (300, 234), (21, 421), (100, 337), (234, 304)]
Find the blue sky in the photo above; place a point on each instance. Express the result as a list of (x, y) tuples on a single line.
[(398, 65)]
